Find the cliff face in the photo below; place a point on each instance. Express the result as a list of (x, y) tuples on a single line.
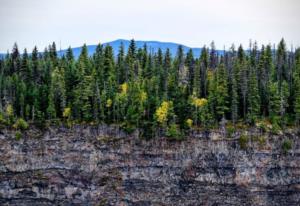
[(97, 166)]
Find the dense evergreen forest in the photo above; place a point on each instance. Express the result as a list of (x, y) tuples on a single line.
[(145, 90)]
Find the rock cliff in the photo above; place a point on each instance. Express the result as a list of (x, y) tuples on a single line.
[(100, 165)]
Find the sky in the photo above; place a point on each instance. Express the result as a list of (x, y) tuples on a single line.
[(190, 22)]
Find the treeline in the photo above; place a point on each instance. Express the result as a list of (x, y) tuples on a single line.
[(140, 89)]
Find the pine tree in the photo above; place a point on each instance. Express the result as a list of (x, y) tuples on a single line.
[(213, 56), (297, 99), (197, 80), (243, 85), (15, 60), (281, 59), (284, 95), (144, 61), (84, 63), (2, 78), (121, 72), (35, 66), (254, 99), (25, 72), (51, 112), (83, 92), (130, 61), (203, 71), (190, 64), (274, 105), (297, 86), (53, 54), (71, 77), (234, 102), (254, 55), (166, 70), (221, 91), (58, 89), (181, 70)]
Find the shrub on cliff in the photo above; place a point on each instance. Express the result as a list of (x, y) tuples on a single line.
[(18, 135), (173, 132), (21, 124), (230, 130), (2, 119), (264, 125), (275, 128), (243, 141), (286, 145)]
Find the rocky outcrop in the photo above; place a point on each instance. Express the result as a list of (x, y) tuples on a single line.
[(103, 166)]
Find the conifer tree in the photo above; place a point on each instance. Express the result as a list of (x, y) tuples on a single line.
[(281, 59), (15, 60), (234, 101), (190, 64), (197, 80), (297, 100), (121, 72), (213, 56), (203, 63), (130, 61), (297, 87), (253, 99), (243, 85), (221, 91), (166, 70), (274, 105), (58, 90)]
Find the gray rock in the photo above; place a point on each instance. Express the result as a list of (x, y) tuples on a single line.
[(101, 165)]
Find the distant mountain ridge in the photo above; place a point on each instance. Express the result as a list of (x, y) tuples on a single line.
[(152, 46)]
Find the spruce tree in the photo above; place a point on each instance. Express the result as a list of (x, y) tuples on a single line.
[(121, 72), (203, 63), (297, 100), (213, 56), (166, 70), (254, 99), (234, 101), (221, 91), (190, 64)]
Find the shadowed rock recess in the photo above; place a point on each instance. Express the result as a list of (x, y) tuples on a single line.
[(99, 165)]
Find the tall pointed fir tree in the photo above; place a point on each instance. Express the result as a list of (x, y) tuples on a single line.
[(254, 98)]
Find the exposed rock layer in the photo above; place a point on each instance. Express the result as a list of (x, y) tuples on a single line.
[(101, 166)]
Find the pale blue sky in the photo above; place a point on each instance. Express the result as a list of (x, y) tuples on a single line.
[(190, 22)]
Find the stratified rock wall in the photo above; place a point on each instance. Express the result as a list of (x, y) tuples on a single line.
[(102, 166)]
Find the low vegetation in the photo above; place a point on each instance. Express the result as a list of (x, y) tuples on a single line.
[(286, 145), (243, 141), (21, 124), (18, 135)]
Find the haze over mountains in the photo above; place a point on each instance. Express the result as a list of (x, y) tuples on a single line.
[(152, 46)]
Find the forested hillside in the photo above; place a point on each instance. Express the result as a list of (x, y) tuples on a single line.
[(145, 90)]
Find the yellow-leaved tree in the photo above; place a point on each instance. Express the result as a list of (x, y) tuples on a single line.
[(198, 103), (163, 111), (124, 88), (189, 122)]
